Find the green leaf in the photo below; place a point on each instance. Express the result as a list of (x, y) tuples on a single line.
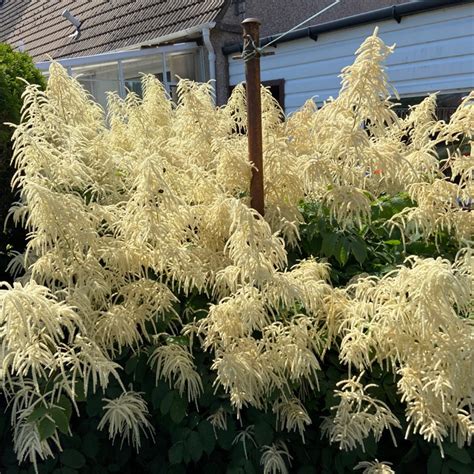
[(454, 452), (370, 446), (66, 405), (13, 470), (393, 242), (159, 392), (249, 467), (359, 250), (46, 428), (459, 467), (90, 445), (166, 403), (60, 418), (208, 438), (178, 409), (225, 437), (193, 420), (175, 453), (65, 470), (411, 455), (68, 470), (72, 458), (263, 433), (329, 244), (180, 340), (306, 470), (131, 365), (342, 252), (80, 394), (194, 446), (141, 369), (38, 412), (94, 405), (435, 462)]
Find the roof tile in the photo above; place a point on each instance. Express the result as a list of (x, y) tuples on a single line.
[(105, 24)]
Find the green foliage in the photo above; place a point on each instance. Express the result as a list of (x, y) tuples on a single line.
[(191, 444), (205, 434), (375, 249), (15, 69), (186, 441)]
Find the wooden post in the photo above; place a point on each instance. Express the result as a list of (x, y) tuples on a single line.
[(251, 55)]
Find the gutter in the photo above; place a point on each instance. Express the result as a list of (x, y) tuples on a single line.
[(211, 52), (203, 30), (396, 12), (172, 37)]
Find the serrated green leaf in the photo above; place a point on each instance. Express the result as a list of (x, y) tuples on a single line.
[(263, 433), (359, 249), (156, 398), (329, 244), (166, 403), (66, 405), (38, 412), (140, 369), (459, 467), (175, 453), (13, 470), (370, 446), (72, 458), (339, 465), (131, 365), (435, 462), (46, 428), (226, 437), (59, 416), (67, 470), (90, 445), (306, 470), (208, 438), (178, 409), (94, 405), (341, 251), (194, 446), (410, 455), (79, 392), (454, 452)]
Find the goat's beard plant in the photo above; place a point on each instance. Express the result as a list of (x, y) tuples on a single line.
[(127, 211)]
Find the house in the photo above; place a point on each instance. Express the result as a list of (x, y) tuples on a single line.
[(434, 52), (108, 43)]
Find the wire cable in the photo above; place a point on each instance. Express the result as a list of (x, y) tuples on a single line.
[(251, 50), (301, 24)]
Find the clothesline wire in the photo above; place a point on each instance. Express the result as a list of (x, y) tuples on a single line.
[(299, 25)]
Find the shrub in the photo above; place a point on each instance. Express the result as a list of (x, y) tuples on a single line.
[(13, 66), (151, 286)]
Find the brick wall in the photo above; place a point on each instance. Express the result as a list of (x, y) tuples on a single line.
[(278, 16)]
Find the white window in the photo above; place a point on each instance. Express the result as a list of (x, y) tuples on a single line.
[(121, 71)]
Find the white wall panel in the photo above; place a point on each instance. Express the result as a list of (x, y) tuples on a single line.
[(434, 52)]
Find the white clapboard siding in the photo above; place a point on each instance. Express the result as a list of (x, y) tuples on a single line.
[(434, 52)]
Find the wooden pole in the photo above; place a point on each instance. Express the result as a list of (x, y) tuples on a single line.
[(251, 55)]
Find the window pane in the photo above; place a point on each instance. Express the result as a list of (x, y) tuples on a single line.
[(186, 66), (98, 79), (134, 68)]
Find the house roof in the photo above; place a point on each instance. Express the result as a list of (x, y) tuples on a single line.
[(106, 25)]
